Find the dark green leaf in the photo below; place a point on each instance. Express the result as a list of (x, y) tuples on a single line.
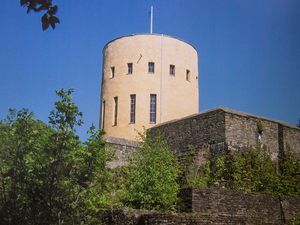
[(52, 25), (53, 10), (45, 25), (45, 18), (53, 19)]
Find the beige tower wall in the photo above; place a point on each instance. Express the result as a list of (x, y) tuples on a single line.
[(176, 97)]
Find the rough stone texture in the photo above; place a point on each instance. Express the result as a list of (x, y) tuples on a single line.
[(195, 135), (122, 149), (122, 216), (196, 131), (213, 206), (241, 130), (139, 217), (222, 128), (291, 138), (252, 207)]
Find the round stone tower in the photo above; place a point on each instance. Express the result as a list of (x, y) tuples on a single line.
[(147, 79)]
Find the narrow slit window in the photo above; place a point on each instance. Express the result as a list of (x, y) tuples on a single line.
[(151, 67), (172, 70), (132, 108), (112, 72), (153, 108), (103, 113), (115, 111), (187, 76), (130, 68)]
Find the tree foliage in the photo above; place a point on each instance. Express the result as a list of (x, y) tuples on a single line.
[(47, 176), (45, 6), (152, 174)]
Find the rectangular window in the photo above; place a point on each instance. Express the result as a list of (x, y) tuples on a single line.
[(115, 111), (187, 76), (130, 68), (172, 70), (151, 67), (103, 113), (152, 108), (132, 108), (112, 72)]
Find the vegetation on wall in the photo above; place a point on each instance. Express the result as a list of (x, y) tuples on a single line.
[(151, 177), (251, 170), (260, 128)]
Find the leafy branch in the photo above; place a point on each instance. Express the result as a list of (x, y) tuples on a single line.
[(46, 6)]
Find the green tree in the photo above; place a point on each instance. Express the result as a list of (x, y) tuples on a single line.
[(46, 174), (22, 138), (151, 179)]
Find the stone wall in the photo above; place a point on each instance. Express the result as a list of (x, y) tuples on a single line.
[(142, 217), (291, 138), (196, 131), (122, 148), (213, 206), (214, 131), (221, 128), (262, 208), (194, 136), (242, 130)]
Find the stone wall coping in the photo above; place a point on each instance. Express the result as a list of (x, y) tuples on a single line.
[(244, 114), (234, 192), (231, 111), (122, 141)]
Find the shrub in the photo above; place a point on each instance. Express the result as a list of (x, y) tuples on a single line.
[(151, 178)]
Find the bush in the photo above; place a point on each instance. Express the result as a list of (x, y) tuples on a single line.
[(250, 170), (151, 178)]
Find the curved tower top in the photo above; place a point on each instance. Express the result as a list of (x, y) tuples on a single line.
[(147, 79)]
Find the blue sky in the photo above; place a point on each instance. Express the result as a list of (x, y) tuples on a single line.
[(249, 52)]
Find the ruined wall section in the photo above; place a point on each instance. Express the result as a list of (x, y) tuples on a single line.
[(122, 149), (222, 128), (213, 206), (291, 139), (195, 131), (242, 130), (252, 207), (195, 135)]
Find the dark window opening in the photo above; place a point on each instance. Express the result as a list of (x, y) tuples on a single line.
[(187, 77), (115, 111), (130, 68), (103, 113), (172, 70), (152, 108), (112, 72), (151, 67), (132, 108)]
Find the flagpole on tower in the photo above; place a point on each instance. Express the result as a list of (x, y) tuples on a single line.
[(151, 20)]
